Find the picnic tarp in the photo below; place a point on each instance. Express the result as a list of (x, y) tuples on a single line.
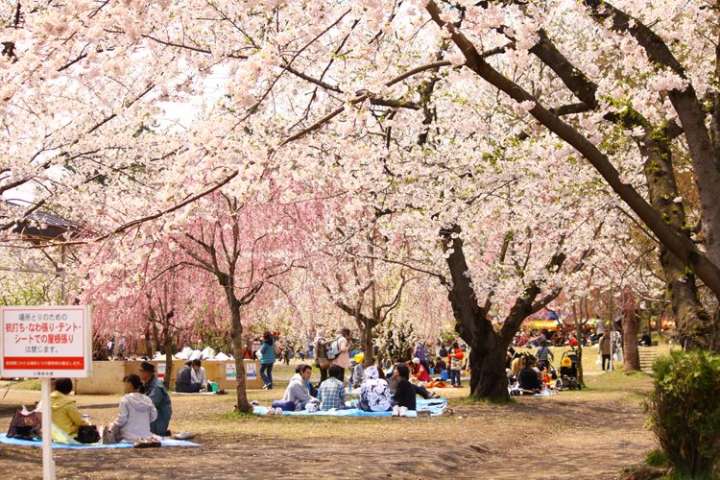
[(436, 406), (166, 442)]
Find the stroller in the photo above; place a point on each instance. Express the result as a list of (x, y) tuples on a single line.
[(568, 372)]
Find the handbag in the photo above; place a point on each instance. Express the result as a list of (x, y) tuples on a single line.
[(25, 425), (88, 434)]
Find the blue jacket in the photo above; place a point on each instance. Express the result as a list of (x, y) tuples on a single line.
[(161, 399), (267, 353)]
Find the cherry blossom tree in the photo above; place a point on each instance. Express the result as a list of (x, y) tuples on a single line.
[(469, 126)]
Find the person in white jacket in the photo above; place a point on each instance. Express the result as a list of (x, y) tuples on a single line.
[(137, 412), (297, 394)]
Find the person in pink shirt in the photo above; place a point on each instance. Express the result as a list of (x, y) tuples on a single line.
[(342, 359)]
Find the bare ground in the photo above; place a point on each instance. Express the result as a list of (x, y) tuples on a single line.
[(588, 435)]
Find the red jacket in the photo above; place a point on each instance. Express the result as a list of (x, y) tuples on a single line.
[(421, 373)]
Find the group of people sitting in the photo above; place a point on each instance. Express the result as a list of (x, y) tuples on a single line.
[(144, 411), (528, 374), (191, 378), (377, 392)]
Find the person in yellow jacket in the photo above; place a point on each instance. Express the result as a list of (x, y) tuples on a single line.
[(65, 414)]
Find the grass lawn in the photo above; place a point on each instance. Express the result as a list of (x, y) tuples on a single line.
[(536, 437)]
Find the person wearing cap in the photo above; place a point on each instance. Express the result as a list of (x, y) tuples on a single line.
[(155, 389), (419, 371)]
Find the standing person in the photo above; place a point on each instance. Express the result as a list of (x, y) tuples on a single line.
[(544, 355), (442, 351), (321, 358), (266, 354), (137, 413), (605, 350), (286, 354), (456, 356), (155, 389), (421, 354), (342, 348)]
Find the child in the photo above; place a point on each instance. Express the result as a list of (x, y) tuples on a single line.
[(441, 369), (456, 356)]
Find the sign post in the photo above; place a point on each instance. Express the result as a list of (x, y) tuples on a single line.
[(46, 343)]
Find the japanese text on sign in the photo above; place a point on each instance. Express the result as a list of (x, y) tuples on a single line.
[(45, 341)]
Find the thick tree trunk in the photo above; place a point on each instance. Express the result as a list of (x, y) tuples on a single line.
[(631, 356), (236, 330), (488, 379), (367, 342), (695, 327)]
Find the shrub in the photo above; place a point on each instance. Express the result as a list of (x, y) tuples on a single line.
[(685, 412)]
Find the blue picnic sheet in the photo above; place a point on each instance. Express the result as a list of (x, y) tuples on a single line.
[(168, 442), (435, 406)]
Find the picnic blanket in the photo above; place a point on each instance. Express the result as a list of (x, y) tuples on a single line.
[(436, 406), (193, 394), (168, 442)]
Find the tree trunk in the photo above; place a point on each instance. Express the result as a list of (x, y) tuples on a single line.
[(168, 347), (631, 356), (579, 336), (243, 405), (488, 379), (695, 326), (367, 342)]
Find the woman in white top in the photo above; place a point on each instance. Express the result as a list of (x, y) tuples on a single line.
[(137, 412)]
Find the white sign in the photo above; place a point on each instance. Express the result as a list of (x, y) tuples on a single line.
[(250, 371), (44, 342)]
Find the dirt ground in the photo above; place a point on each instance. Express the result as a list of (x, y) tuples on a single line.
[(586, 435)]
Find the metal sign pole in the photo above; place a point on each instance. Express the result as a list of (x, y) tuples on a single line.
[(48, 464)]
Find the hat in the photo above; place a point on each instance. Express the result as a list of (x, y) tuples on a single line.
[(147, 367), (416, 360)]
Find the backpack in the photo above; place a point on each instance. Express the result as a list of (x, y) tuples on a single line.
[(333, 349), (321, 350)]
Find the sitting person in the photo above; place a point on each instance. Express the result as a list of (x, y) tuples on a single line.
[(65, 414), (419, 371), (198, 374), (155, 389), (528, 378), (404, 391), (419, 389), (374, 392), (332, 391), (184, 381), (441, 370), (358, 371), (297, 393), (136, 414)]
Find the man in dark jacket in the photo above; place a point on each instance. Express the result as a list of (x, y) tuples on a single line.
[(183, 381), (405, 391), (155, 389)]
